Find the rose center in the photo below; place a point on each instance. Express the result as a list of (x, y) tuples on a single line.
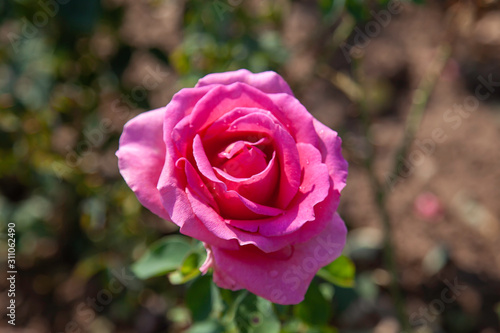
[(242, 160)]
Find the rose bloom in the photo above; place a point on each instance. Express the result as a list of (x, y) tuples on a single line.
[(239, 163)]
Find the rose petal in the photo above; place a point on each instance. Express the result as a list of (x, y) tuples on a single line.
[(176, 202), (314, 188), (236, 147), (220, 279), (214, 131), (259, 188), (195, 182), (172, 181), (330, 147), (268, 82), (178, 109), (284, 146), (299, 121), (230, 203), (218, 101), (324, 211), (141, 158), (282, 281), (244, 162)]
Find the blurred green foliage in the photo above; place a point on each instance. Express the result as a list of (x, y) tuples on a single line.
[(221, 36), (340, 272), (164, 256)]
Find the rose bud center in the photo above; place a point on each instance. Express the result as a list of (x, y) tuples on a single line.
[(243, 160)]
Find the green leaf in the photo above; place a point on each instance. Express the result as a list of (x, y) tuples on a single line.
[(315, 310), (188, 270), (341, 272), (180, 315), (282, 311), (199, 298), (163, 256), (256, 315), (209, 326), (324, 329)]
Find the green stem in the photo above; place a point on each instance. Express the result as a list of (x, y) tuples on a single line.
[(420, 101), (419, 104), (228, 319), (380, 201), (356, 91)]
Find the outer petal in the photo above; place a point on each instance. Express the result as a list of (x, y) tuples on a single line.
[(172, 181), (220, 279), (141, 158), (298, 120), (330, 147), (268, 82), (179, 108), (282, 280)]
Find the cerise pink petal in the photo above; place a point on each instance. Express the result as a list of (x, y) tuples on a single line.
[(268, 82), (141, 158), (280, 278)]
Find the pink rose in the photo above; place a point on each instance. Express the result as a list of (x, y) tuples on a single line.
[(238, 163)]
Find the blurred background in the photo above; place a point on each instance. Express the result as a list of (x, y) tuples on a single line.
[(72, 72)]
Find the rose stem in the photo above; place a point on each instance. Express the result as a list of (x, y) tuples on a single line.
[(356, 92), (419, 104)]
